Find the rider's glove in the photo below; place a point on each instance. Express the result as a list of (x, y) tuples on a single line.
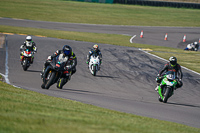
[(87, 62), (49, 58), (158, 78), (68, 68)]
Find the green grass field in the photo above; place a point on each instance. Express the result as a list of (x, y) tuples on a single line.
[(94, 13), (26, 111)]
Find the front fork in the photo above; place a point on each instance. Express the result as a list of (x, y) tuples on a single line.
[(160, 92)]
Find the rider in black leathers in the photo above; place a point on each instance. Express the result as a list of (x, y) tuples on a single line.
[(65, 54), (172, 65)]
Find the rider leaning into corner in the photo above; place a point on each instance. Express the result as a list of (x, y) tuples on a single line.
[(28, 44), (94, 50), (66, 54), (172, 65)]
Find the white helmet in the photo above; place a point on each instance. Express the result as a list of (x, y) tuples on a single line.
[(28, 38), (195, 43), (28, 41)]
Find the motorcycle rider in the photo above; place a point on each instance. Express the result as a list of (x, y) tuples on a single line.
[(172, 65), (190, 47), (28, 44), (66, 54), (94, 50)]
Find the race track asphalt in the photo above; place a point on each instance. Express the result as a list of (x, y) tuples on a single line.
[(126, 81)]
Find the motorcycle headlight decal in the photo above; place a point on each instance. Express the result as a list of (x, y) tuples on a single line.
[(57, 65), (66, 72)]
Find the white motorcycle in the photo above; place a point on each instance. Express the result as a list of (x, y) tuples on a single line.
[(94, 64)]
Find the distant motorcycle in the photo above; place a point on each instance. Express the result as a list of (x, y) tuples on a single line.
[(167, 87), (192, 47), (94, 64), (54, 72), (26, 61)]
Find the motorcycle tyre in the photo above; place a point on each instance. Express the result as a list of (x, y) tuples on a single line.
[(160, 99), (43, 85), (25, 66), (46, 72), (94, 70), (51, 80), (166, 95), (62, 83)]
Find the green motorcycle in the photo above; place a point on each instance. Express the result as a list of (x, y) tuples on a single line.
[(167, 86)]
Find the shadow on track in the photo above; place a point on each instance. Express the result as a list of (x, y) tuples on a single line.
[(33, 71), (188, 105), (105, 76), (77, 91)]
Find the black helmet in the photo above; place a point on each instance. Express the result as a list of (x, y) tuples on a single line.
[(67, 50), (173, 61)]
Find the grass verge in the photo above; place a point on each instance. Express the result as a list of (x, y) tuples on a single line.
[(95, 13), (26, 111)]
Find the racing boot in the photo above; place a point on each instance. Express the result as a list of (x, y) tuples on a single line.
[(42, 73), (100, 64), (21, 58), (87, 62), (156, 89), (32, 60), (160, 99)]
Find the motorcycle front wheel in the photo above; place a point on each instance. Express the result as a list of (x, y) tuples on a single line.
[(50, 80), (25, 64), (166, 94), (94, 70)]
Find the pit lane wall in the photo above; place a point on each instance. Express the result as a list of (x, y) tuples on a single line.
[(148, 3)]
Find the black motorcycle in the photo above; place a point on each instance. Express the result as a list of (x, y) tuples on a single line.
[(56, 71)]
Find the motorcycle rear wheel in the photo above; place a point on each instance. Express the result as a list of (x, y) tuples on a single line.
[(61, 82)]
